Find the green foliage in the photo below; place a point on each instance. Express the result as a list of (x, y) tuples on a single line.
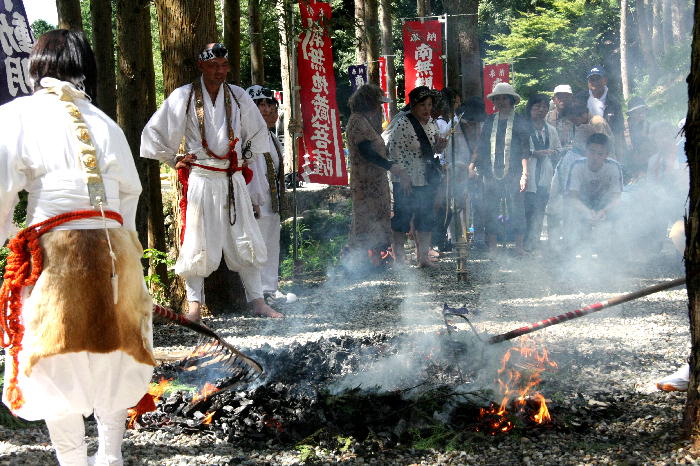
[(307, 453), (314, 255), (557, 44), (321, 236), (155, 284), (668, 94), (3, 259), (40, 27)]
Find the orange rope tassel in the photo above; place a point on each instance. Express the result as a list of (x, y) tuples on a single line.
[(24, 265)]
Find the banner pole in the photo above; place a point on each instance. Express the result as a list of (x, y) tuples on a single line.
[(293, 77)]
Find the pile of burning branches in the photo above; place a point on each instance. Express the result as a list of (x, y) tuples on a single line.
[(439, 383)]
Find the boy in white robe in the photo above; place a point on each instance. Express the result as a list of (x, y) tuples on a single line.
[(222, 129), (267, 192)]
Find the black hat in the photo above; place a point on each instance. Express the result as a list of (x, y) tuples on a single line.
[(419, 94), (596, 71)]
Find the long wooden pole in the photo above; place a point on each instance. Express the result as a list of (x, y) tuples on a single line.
[(585, 311)]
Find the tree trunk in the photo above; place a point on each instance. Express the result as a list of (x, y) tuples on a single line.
[(691, 418), (470, 60), (678, 12), (667, 23), (423, 8), (132, 91), (288, 66), (360, 31), (255, 28), (388, 52), (69, 16), (156, 219), (185, 27), (657, 37), (372, 37), (645, 47), (624, 67), (101, 19), (232, 37)]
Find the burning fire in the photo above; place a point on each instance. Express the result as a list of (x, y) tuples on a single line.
[(206, 391), (208, 417), (518, 376), (147, 402)]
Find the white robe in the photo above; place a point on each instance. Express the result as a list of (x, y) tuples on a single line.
[(208, 233), (38, 154), (269, 221)]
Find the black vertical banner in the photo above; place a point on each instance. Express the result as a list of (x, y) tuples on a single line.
[(16, 42)]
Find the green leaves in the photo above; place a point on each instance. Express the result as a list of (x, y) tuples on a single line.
[(554, 44)]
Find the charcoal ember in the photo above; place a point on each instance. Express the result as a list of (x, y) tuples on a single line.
[(174, 403), (240, 411)]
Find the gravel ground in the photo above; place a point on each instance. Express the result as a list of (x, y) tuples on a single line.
[(608, 361)]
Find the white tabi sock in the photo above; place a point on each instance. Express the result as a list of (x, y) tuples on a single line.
[(68, 438), (110, 429)]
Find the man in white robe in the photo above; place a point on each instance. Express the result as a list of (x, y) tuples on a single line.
[(221, 128), (267, 192)]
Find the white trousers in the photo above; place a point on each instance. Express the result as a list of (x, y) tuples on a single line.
[(68, 438), (269, 273), (250, 276)]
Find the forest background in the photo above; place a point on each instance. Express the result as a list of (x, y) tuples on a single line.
[(548, 42), (643, 44)]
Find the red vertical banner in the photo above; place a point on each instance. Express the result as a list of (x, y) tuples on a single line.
[(384, 87), (422, 46), (494, 74), (323, 160)]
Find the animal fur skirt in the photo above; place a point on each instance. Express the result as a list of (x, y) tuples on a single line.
[(81, 352)]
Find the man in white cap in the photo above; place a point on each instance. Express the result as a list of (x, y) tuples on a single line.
[(267, 192), (565, 129), (504, 147), (221, 128)]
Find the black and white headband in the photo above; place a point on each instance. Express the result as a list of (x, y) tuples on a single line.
[(214, 51), (257, 92)]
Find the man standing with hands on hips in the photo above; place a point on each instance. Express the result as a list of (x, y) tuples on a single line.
[(221, 129)]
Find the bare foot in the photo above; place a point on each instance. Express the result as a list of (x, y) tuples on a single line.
[(263, 310), (427, 263), (433, 253)]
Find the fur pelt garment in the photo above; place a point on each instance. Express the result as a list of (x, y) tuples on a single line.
[(71, 307)]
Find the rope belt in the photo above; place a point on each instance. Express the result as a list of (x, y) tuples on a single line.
[(24, 265)]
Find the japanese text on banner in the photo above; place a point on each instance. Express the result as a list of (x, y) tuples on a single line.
[(494, 74), (422, 44), (15, 44), (324, 159)]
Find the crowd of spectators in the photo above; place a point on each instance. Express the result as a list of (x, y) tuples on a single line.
[(564, 164)]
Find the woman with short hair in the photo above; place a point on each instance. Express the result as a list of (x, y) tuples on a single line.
[(79, 330), (544, 150)]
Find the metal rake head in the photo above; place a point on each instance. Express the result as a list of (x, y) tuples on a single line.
[(221, 360)]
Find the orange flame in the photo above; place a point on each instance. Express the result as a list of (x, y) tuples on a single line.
[(208, 418), (519, 374), (206, 391), (147, 402)]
